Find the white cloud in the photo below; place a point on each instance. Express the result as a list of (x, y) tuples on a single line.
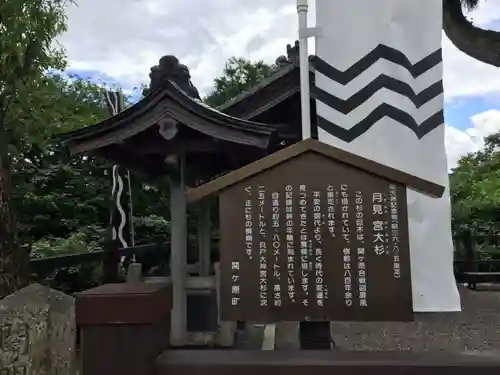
[(461, 142), (464, 76), (124, 38)]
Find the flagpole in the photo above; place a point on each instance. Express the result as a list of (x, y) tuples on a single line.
[(131, 210), (305, 104)]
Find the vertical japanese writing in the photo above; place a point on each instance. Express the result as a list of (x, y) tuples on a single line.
[(378, 224), (275, 204), (347, 276), (330, 200), (290, 247), (248, 223), (344, 204), (235, 286), (360, 237), (318, 252), (235, 265), (394, 231), (344, 194), (304, 244), (261, 196)]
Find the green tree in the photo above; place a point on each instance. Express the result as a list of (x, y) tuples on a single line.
[(52, 190), (238, 76), (62, 201), (481, 44), (27, 29), (475, 192)]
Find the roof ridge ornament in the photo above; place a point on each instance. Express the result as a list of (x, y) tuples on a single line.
[(169, 68), (292, 56)]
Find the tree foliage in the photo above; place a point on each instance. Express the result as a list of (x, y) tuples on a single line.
[(480, 44), (470, 4), (239, 75), (62, 201), (475, 189), (27, 29)]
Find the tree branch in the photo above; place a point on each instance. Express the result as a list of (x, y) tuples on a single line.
[(481, 44)]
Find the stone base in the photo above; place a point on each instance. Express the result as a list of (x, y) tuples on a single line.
[(250, 362)]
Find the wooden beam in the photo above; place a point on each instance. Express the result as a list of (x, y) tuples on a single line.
[(192, 282), (413, 182), (125, 157), (201, 283), (178, 255), (204, 236), (163, 147)]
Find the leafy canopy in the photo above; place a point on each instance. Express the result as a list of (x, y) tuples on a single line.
[(239, 75), (475, 190), (28, 29)]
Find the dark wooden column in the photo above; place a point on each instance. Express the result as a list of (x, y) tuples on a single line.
[(470, 256), (178, 251), (204, 237)]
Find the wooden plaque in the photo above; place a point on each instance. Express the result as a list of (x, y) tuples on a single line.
[(315, 239)]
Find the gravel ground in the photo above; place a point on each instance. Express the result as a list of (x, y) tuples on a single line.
[(475, 329)]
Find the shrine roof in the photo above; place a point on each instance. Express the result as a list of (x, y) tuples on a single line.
[(282, 84), (311, 145), (278, 74), (169, 101)]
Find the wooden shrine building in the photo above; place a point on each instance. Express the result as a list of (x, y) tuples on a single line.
[(171, 132), (276, 99)]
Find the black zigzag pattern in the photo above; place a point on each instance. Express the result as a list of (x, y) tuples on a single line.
[(382, 81), (383, 110), (380, 52)]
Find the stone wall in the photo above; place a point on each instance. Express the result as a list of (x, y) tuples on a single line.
[(37, 332)]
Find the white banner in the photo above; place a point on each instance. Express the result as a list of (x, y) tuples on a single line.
[(379, 94)]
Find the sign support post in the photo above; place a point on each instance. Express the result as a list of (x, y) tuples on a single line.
[(305, 104), (305, 32)]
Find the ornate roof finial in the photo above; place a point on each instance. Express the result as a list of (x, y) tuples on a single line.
[(170, 69), (293, 53), (282, 61), (292, 56)]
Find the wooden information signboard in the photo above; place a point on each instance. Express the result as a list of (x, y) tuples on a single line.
[(306, 236)]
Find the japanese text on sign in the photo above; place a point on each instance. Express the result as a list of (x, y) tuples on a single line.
[(290, 246), (304, 244), (263, 277), (395, 231), (361, 264), (275, 206)]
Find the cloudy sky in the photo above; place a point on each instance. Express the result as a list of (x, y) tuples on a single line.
[(117, 41)]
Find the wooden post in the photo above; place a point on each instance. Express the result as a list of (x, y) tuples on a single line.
[(111, 261), (287, 336), (468, 244), (178, 254), (204, 237)]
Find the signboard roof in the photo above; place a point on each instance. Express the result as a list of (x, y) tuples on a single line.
[(311, 145)]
